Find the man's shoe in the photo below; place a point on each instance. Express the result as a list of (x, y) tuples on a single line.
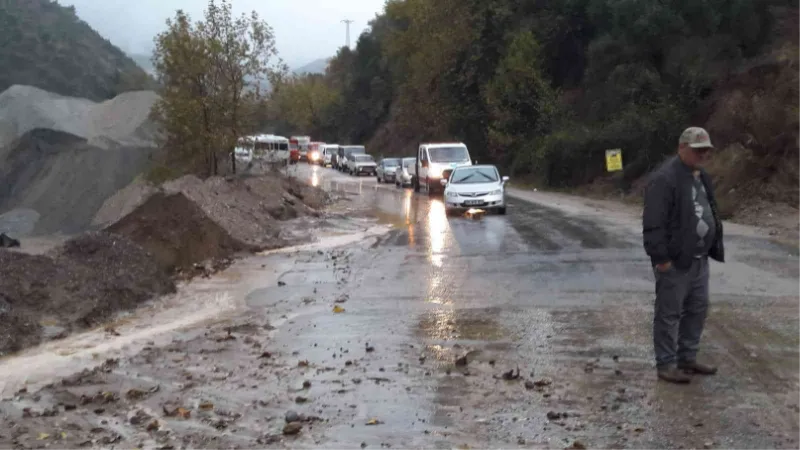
[(673, 375), (694, 367)]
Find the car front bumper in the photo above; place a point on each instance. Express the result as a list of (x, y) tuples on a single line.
[(465, 203), (365, 169)]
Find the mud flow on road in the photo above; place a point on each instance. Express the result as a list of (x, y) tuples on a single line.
[(402, 327)]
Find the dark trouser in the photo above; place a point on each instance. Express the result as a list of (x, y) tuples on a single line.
[(680, 312)]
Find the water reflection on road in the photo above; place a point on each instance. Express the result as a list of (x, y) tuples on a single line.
[(567, 299)]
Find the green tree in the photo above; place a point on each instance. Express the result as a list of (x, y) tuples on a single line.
[(210, 72)]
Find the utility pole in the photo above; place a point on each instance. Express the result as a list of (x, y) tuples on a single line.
[(347, 23)]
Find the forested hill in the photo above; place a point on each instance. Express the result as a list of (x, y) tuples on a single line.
[(545, 87), (46, 45)]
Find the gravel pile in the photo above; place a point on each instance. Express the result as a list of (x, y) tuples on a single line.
[(62, 157), (121, 121), (76, 286), (64, 179)]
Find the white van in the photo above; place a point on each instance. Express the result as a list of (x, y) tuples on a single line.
[(435, 162), (327, 152)]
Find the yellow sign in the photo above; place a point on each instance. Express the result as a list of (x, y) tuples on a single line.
[(614, 160)]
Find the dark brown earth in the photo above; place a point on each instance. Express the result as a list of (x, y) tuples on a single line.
[(76, 286), (177, 232), (195, 228)]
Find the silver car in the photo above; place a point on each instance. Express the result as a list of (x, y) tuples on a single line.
[(403, 172), (386, 170), (358, 164)]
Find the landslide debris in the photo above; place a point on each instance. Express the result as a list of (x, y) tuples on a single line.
[(187, 221), (76, 286), (152, 235)]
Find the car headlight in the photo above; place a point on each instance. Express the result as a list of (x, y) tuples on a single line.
[(496, 192), (451, 194), (435, 172)]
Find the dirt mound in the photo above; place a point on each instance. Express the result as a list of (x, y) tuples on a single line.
[(64, 178), (189, 221), (249, 208), (176, 231), (236, 209), (76, 286), (124, 202)]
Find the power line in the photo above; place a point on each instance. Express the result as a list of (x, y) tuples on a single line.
[(347, 23)]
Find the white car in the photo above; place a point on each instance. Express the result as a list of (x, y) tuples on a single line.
[(479, 187)]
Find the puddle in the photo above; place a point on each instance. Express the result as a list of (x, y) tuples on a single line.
[(469, 325)]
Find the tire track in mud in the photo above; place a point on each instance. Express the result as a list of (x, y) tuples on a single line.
[(548, 229)]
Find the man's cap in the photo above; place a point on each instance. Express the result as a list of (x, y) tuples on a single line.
[(696, 137)]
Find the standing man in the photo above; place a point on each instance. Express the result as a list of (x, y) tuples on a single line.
[(681, 229)]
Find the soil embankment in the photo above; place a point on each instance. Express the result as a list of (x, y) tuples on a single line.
[(153, 235), (76, 286)]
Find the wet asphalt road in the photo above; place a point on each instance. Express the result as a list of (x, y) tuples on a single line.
[(561, 293)]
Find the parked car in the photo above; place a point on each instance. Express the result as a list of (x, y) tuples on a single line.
[(386, 170), (361, 163), (477, 186), (435, 162), (403, 172), (345, 153)]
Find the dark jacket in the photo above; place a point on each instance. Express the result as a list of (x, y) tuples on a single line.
[(668, 221)]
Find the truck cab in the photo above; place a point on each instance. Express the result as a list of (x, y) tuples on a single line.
[(435, 161)]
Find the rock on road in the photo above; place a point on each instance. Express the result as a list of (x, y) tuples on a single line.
[(526, 330)]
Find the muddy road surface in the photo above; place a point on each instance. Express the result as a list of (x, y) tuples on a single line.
[(401, 327)]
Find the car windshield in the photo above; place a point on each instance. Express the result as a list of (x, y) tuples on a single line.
[(356, 149), (475, 175), (364, 158), (393, 162), (448, 154), (408, 162)]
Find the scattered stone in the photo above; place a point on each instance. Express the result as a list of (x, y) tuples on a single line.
[(462, 361), (511, 375), (300, 399), (292, 428), (292, 416), (577, 445), (306, 384)]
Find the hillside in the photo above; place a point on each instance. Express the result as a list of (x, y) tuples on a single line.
[(544, 88), (316, 66), (46, 45), (144, 61)]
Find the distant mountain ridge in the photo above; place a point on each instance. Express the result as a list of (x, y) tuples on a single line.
[(48, 46), (316, 66)]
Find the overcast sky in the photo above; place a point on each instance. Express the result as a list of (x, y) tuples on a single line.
[(305, 30)]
